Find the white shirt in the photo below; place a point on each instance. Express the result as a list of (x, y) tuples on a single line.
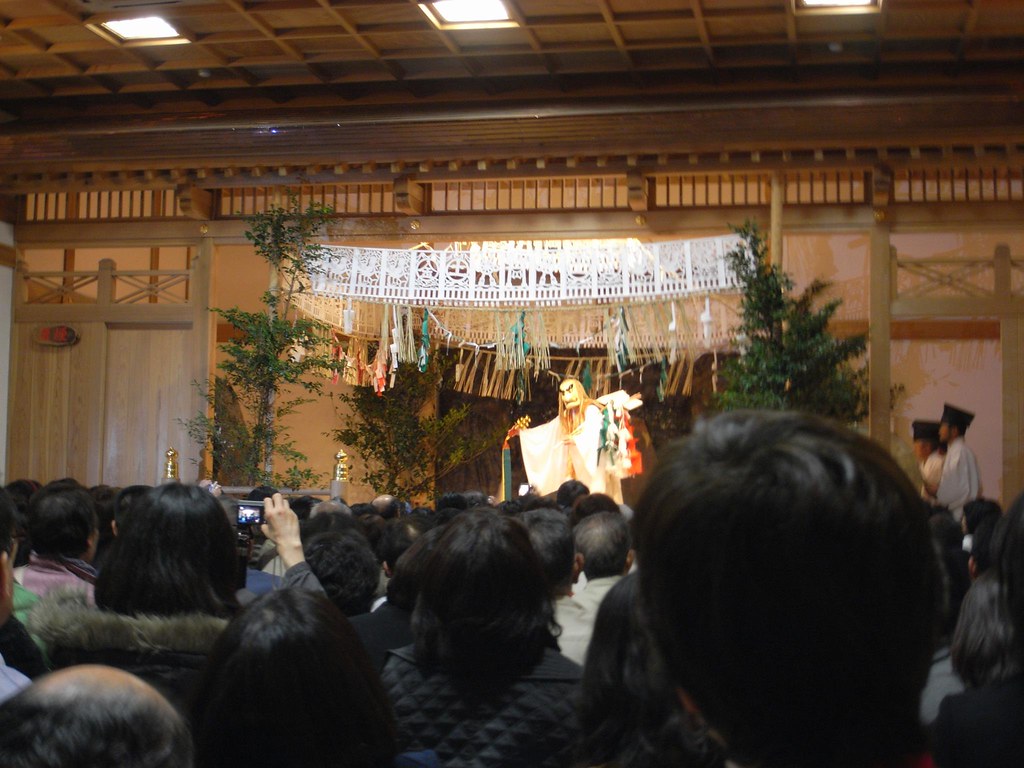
[(961, 481), (931, 471)]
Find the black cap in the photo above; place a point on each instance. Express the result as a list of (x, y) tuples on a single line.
[(926, 430), (956, 417)]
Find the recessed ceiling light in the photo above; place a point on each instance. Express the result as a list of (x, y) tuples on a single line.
[(829, 7), (149, 28), (468, 14)]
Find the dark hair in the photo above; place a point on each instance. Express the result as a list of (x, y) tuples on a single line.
[(475, 499), (569, 491), (174, 554), (483, 607), (303, 505), (289, 683), (61, 518), (779, 552), (126, 499), (8, 516), (90, 723), (977, 510), (551, 538), (629, 712), (604, 541), (404, 584), (451, 500), (982, 543), (1008, 550), (347, 569), (261, 492), (983, 649), (397, 536), (327, 522), (591, 504)]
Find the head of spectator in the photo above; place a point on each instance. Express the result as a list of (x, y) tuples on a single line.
[(387, 506), (451, 500), (329, 506), (347, 569), (124, 502), (605, 542), (261, 492), (591, 504), (372, 527), (62, 522), (791, 584), (289, 683), (92, 717), (977, 510), (983, 651), (982, 546), (629, 712), (174, 554), (1008, 551), (484, 607), (509, 507), (551, 538), (397, 536), (476, 499), (568, 492), (404, 585), (302, 506)]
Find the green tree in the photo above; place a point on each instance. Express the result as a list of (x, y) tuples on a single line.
[(788, 359), (404, 444), (270, 350)]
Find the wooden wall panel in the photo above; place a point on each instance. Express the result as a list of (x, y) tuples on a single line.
[(148, 390), (56, 396)]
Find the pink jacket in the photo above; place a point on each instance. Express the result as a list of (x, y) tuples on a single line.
[(42, 574)]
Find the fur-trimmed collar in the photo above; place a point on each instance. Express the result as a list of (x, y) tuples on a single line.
[(64, 619)]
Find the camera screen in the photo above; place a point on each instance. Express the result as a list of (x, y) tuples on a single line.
[(250, 514)]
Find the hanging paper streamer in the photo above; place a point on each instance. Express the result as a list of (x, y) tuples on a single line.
[(424, 358), (587, 378), (618, 341)]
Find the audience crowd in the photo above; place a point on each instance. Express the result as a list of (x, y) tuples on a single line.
[(781, 597)]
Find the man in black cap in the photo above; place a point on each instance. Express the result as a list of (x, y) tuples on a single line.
[(929, 458), (961, 481)]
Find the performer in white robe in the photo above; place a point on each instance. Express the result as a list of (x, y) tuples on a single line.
[(567, 447), (961, 480)]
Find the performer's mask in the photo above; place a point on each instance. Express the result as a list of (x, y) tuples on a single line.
[(571, 392)]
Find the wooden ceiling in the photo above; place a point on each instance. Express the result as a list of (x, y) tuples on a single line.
[(340, 82)]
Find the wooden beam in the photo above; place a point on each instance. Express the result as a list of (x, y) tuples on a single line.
[(924, 330), (636, 184), (409, 197), (8, 256), (195, 202)]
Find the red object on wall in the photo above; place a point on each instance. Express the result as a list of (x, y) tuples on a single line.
[(57, 336)]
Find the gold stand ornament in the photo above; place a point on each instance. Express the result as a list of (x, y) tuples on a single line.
[(340, 474), (170, 466)]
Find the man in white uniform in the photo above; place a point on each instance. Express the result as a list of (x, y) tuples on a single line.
[(929, 458), (960, 481)]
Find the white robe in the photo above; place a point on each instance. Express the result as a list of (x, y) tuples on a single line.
[(550, 460), (961, 481), (931, 472)]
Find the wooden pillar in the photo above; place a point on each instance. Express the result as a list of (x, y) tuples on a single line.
[(1011, 335), (880, 314), (204, 329), (775, 237)]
